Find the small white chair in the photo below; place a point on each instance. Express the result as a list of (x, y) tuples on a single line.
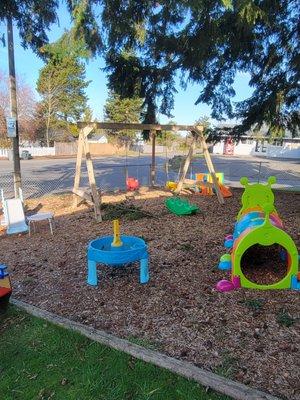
[(42, 216)]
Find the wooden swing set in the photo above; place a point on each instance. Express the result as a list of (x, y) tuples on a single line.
[(94, 197)]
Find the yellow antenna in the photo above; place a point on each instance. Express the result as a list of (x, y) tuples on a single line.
[(117, 240)]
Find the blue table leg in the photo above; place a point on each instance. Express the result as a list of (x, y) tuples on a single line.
[(92, 273), (144, 270)]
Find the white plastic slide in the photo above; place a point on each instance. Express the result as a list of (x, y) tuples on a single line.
[(13, 214), (3, 221), (15, 217)]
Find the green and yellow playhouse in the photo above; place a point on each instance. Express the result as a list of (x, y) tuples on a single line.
[(258, 223)]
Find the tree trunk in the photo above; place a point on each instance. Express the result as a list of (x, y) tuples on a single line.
[(49, 114), (47, 130)]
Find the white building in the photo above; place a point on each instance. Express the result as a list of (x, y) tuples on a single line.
[(247, 145), (98, 138)]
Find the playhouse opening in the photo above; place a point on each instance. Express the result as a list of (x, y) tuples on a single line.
[(265, 265)]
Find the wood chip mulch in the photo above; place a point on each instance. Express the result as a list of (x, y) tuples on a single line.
[(250, 336)]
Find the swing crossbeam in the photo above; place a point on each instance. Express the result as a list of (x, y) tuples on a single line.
[(140, 127)]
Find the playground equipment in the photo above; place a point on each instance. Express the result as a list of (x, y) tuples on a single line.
[(180, 206), (192, 185), (132, 184), (258, 224), (117, 251), (226, 192), (202, 184), (5, 287), (14, 217), (208, 190), (94, 196)]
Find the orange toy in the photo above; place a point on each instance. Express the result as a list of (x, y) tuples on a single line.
[(205, 190), (226, 192)]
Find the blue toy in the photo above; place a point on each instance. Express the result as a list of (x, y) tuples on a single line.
[(117, 251)]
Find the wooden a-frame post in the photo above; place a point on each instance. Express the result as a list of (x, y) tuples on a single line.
[(210, 166), (197, 133), (83, 147), (186, 164)]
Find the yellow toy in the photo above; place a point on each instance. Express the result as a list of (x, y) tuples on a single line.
[(171, 185), (117, 240)]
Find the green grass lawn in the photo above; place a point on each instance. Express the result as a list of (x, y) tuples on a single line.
[(41, 361)]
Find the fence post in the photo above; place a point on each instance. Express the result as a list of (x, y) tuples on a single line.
[(167, 170), (126, 175), (259, 172), (150, 174), (191, 171)]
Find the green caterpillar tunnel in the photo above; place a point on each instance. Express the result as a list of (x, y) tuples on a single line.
[(258, 224)]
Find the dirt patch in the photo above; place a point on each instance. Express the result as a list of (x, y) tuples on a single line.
[(251, 336)]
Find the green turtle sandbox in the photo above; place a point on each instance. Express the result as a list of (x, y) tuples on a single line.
[(258, 224), (179, 206)]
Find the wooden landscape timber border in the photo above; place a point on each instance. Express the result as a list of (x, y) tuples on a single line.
[(236, 390), (83, 147)]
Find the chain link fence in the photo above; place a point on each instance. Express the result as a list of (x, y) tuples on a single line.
[(233, 171), (255, 171), (35, 187), (108, 178), (59, 178)]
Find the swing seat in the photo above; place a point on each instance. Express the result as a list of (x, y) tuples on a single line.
[(171, 185), (132, 184), (180, 206)]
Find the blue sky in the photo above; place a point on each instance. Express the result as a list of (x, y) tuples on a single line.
[(185, 111)]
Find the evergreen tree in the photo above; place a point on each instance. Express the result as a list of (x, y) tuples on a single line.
[(61, 85), (167, 138), (123, 110), (206, 41), (259, 38), (209, 42), (87, 115), (34, 17)]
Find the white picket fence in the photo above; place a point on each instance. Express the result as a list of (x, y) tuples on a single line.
[(3, 153), (34, 151)]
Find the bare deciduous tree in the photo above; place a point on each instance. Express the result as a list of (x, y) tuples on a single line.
[(26, 107)]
